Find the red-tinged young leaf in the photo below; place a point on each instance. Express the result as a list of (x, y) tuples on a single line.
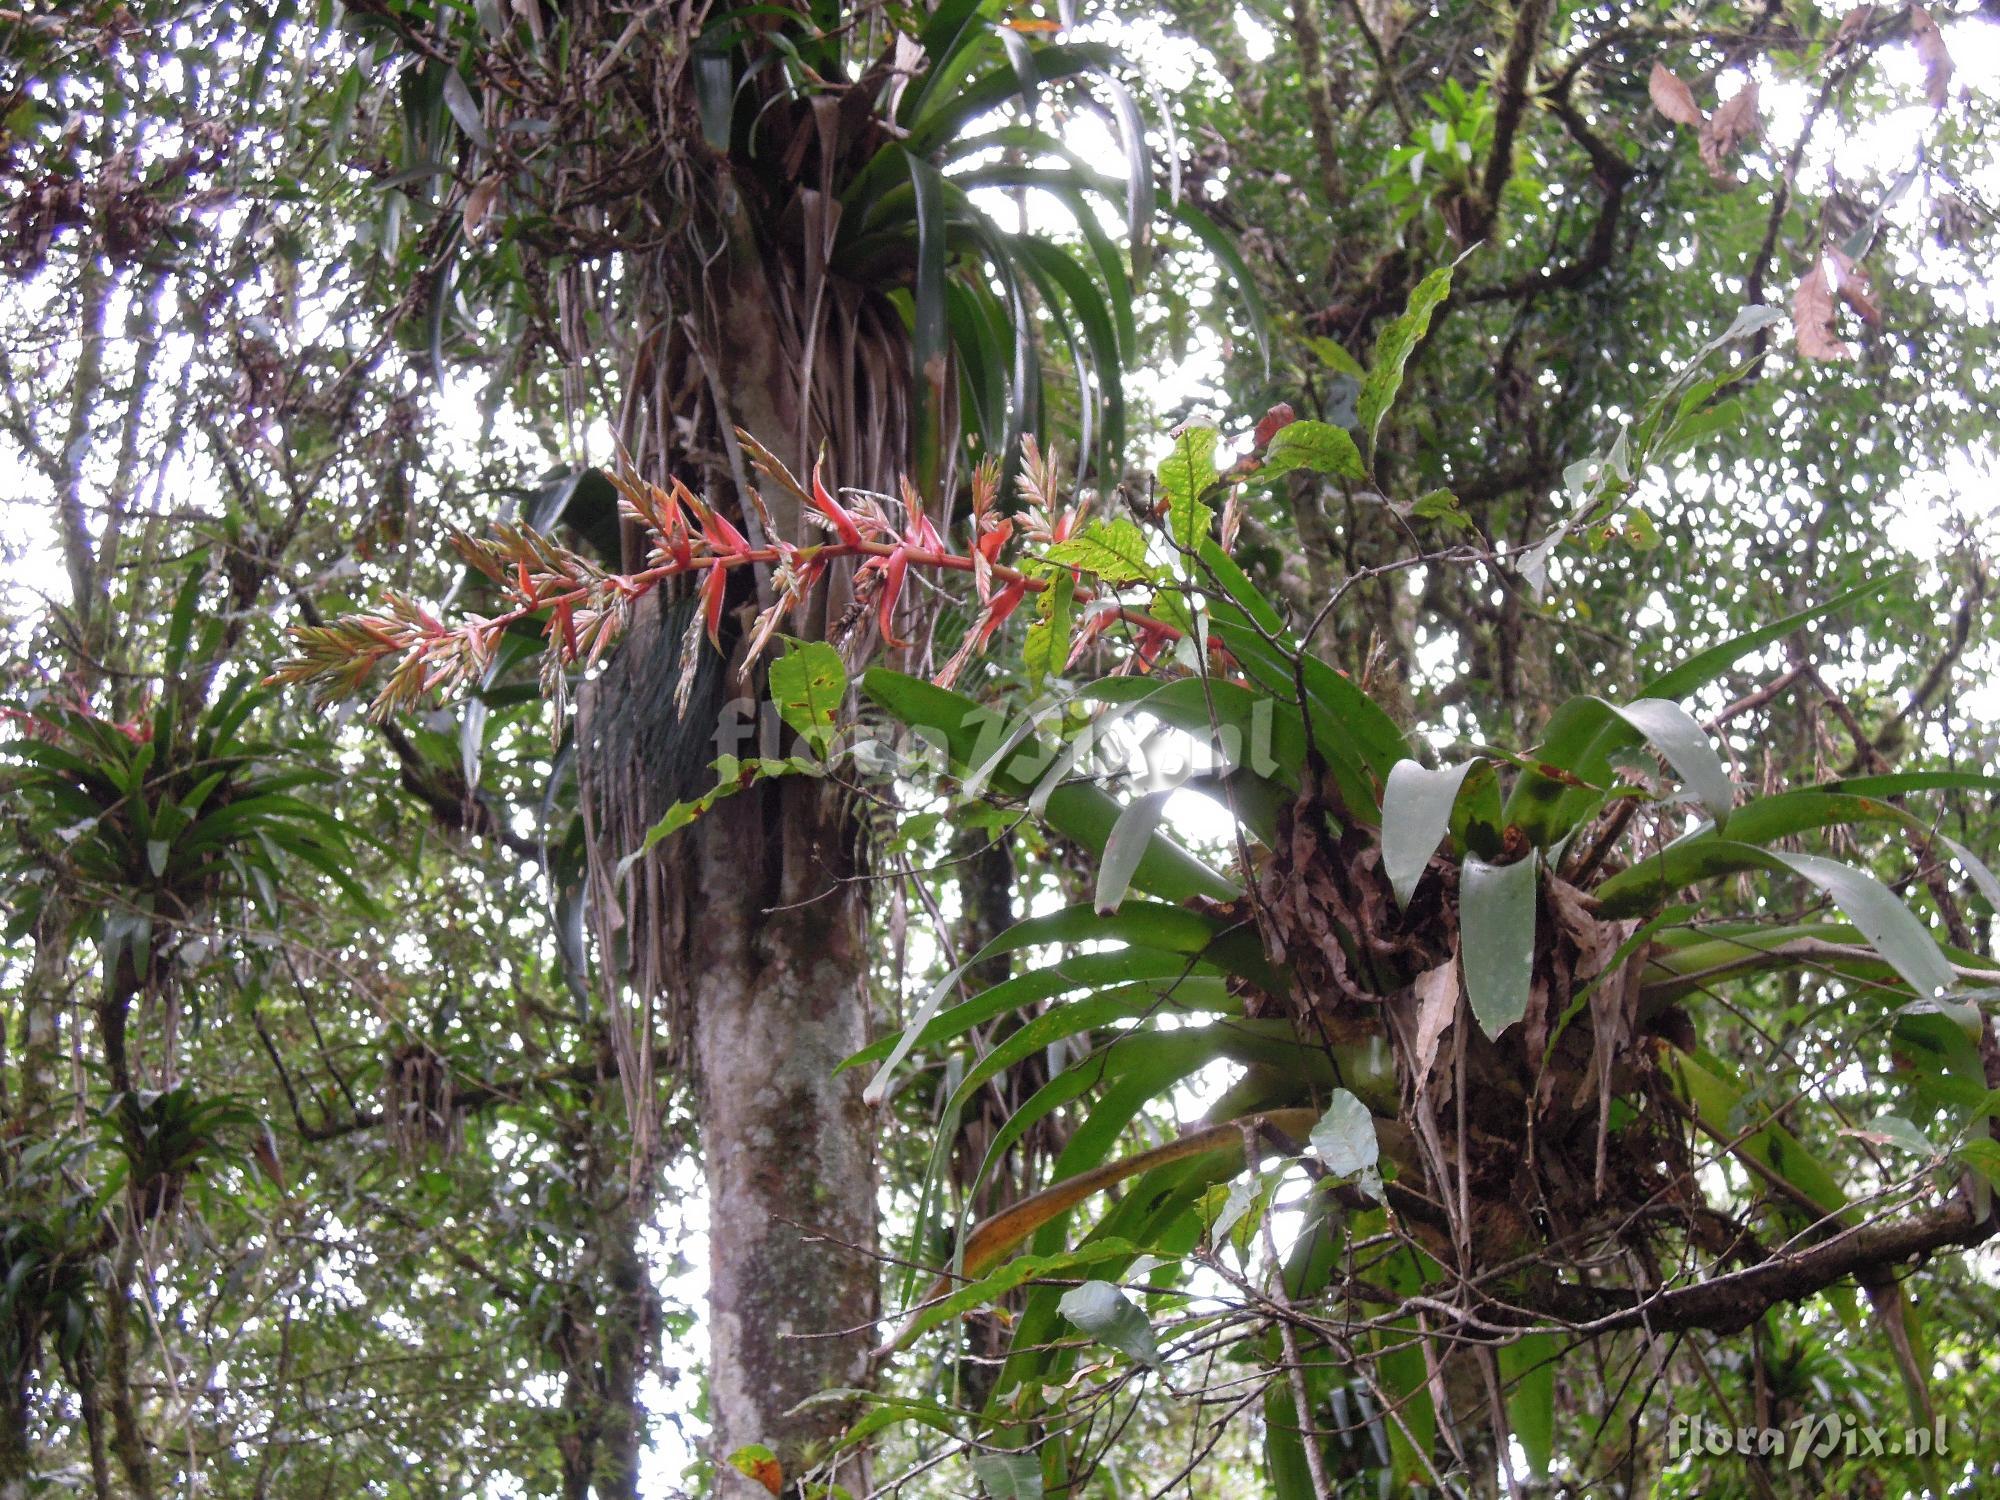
[(1932, 54), (1812, 317), (1673, 98), (1279, 416), (758, 1462), (1727, 129)]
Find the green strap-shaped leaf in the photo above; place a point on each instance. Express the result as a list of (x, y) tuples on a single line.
[(1223, 247), (1138, 175), (1528, 1371), (1080, 811), (1130, 837), (1705, 666), (1673, 732), (1496, 910), (1703, 854), (1566, 775), (928, 342), (1718, 1101), (1138, 969), (1416, 814), (1888, 925)]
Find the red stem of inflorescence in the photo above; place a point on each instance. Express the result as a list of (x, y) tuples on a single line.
[(638, 585)]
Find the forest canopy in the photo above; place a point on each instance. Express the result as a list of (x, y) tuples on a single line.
[(940, 749)]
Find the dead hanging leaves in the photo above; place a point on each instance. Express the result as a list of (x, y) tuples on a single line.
[(1834, 279), (1932, 54), (1720, 135)]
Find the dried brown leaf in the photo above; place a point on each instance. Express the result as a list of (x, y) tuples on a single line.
[(1855, 289), (1437, 1002), (1813, 307), (479, 204), (1735, 122), (1851, 25), (1673, 98), (1932, 54)]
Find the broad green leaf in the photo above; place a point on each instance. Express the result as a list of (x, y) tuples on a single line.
[(1416, 814), (1114, 550), (808, 683), (1045, 652), (1319, 447), (1982, 1154), (1896, 1130), (1185, 476), (1393, 347), (731, 776), (1496, 909), (1009, 1476), (1441, 505), (1345, 1138), (1110, 1317)]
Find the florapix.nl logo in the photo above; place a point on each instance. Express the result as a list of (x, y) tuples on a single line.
[(1819, 1435)]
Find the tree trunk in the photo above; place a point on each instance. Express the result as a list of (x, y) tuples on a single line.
[(747, 929), (778, 974)]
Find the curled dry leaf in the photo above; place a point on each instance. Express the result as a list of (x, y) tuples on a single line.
[(1932, 54), (1851, 25), (1673, 98), (1735, 122), (1437, 1005), (1812, 316), (479, 204)]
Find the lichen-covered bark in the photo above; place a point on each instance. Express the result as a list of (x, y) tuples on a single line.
[(779, 1000)]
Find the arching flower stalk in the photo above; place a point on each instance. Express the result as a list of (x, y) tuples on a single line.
[(584, 608)]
